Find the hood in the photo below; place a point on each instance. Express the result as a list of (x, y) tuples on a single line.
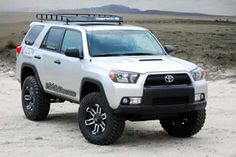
[(144, 64)]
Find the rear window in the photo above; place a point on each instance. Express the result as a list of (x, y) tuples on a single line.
[(33, 34)]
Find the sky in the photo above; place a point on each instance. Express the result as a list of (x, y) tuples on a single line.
[(214, 7)]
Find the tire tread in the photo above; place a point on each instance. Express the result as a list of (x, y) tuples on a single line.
[(198, 122), (42, 104), (117, 128)]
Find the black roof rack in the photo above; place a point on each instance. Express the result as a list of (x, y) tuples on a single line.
[(82, 18)]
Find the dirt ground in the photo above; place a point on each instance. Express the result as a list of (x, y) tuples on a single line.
[(59, 135)]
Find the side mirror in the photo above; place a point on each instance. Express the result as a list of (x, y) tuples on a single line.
[(169, 48), (74, 53)]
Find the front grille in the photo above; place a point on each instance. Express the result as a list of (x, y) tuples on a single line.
[(170, 100), (159, 80)]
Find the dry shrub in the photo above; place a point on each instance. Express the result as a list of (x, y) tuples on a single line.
[(10, 45)]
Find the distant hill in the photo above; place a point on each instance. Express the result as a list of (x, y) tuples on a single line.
[(110, 9), (122, 9)]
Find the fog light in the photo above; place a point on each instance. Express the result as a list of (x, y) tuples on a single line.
[(125, 100), (202, 97), (135, 101), (131, 101)]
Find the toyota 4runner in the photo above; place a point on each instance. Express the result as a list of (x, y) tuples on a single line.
[(115, 72)]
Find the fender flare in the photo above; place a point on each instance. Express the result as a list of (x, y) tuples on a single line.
[(26, 65), (96, 82)]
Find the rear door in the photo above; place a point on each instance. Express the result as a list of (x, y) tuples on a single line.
[(49, 52)]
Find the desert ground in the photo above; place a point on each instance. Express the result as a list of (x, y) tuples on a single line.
[(208, 41), (59, 135)]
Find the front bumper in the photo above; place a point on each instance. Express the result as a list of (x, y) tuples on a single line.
[(164, 101), (142, 109)]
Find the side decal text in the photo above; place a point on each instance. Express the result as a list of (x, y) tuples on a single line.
[(59, 89)]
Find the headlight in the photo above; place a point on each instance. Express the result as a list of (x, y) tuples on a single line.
[(123, 76), (198, 74)]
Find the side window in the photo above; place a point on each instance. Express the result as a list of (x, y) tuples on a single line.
[(72, 40), (53, 39), (33, 34)]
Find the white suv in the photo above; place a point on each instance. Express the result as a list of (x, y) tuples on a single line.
[(115, 72)]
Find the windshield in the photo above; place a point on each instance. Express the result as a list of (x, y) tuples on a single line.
[(123, 42)]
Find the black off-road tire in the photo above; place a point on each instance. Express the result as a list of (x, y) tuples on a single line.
[(186, 124), (35, 102), (114, 124)]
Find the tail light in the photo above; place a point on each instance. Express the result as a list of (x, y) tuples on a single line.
[(18, 49)]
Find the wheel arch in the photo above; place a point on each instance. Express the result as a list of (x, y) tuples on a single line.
[(89, 85), (29, 70)]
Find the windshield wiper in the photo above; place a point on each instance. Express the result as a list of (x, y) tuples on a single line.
[(124, 54), (107, 55), (138, 54)]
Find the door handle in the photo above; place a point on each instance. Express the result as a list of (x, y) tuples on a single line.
[(37, 57), (57, 61)]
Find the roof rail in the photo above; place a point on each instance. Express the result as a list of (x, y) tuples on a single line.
[(83, 18)]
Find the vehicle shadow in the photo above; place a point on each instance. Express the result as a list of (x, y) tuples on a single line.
[(145, 137), (62, 117), (134, 134)]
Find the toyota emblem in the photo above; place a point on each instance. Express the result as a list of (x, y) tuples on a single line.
[(169, 78)]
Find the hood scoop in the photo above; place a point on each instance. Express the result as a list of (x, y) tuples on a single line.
[(145, 60)]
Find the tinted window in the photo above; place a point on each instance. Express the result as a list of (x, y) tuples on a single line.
[(72, 40), (53, 39), (33, 34)]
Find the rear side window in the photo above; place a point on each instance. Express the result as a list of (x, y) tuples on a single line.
[(53, 39), (33, 34)]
